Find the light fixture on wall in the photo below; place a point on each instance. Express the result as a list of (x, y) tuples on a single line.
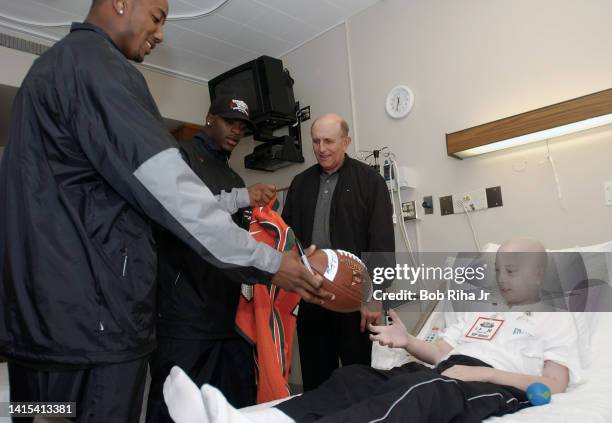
[(564, 118)]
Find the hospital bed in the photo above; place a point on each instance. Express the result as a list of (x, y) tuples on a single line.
[(588, 402)]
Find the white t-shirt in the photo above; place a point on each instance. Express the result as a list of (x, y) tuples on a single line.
[(518, 342)]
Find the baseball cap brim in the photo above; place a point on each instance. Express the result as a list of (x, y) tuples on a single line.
[(236, 115)]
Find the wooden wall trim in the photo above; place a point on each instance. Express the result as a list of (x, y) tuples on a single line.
[(588, 106)]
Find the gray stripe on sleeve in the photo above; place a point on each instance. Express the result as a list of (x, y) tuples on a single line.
[(179, 190), (236, 199)]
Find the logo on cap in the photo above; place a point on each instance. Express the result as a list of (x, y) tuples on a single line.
[(240, 106)]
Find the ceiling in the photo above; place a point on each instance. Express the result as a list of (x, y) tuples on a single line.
[(202, 48)]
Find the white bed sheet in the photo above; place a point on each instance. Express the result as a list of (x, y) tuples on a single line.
[(590, 402)]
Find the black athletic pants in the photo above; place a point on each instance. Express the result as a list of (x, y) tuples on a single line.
[(326, 337), (410, 393), (103, 393), (227, 364)]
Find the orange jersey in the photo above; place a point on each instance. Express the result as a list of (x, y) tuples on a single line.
[(266, 315)]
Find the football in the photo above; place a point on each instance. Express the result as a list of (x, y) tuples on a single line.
[(343, 275)]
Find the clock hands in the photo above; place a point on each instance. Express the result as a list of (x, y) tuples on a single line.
[(399, 101)]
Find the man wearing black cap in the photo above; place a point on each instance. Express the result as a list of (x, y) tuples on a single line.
[(196, 301)]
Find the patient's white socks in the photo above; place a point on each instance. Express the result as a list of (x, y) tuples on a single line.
[(183, 398), (188, 404), (221, 411), (268, 415)]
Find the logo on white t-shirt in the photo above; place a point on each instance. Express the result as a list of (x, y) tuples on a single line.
[(485, 328)]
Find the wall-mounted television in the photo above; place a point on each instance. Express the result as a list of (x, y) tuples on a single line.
[(267, 88)]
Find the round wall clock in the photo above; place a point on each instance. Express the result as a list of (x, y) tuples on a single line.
[(399, 101)]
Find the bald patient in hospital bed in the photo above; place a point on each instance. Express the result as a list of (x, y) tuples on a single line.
[(482, 364)]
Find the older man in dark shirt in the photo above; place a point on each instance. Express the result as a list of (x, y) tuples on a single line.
[(338, 203)]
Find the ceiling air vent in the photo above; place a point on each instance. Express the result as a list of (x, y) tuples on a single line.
[(22, 45)]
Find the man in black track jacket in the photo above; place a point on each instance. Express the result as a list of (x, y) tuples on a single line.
[(197, 301), (88, 171)]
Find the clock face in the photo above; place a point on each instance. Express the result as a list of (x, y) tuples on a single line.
[(399, 102)]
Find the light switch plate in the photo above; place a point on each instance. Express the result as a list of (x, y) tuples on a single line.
[(608, 193)]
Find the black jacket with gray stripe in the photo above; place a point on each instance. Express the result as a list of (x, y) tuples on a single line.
[(88, 171), (197, 300)]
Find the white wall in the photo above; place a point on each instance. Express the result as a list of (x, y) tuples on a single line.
[(177, 99), (470, 62), (15, 65)]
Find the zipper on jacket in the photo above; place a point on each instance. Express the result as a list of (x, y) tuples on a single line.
[(124, 251), (177, 277)]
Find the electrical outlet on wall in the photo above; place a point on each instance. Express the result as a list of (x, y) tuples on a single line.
[(409, 211), (446, 205), (473, 200), (427, 204), (479, 199)]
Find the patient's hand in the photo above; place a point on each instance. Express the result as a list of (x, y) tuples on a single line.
[(394, 335), (468, 373)]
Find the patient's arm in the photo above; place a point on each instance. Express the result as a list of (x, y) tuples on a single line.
[(554, 375), (395, 335)]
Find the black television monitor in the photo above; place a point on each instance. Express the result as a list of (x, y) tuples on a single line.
[(267, 88)]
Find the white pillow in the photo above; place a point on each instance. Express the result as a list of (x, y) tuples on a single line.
[(598, 261), (490, 247)]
